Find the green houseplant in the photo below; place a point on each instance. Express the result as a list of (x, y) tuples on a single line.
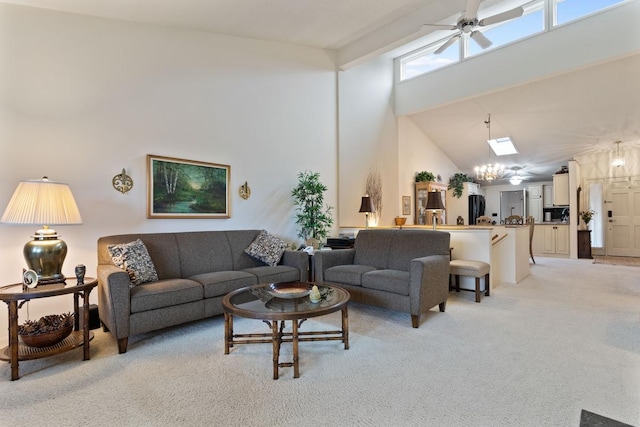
[(456, 183), (313, 216), (425, 176)]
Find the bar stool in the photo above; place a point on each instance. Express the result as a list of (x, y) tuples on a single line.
[(477, 269)]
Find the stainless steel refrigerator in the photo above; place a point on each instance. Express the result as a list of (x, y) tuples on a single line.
[(476, 208)]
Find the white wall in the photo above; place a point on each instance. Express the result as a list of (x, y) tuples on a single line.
[(81, 98), (609, 34), (418, 153), (368, 135)]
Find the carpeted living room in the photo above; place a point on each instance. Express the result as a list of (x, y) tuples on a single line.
[(184, 130), (564, 340)]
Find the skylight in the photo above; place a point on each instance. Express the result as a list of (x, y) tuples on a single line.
[(502, 146)]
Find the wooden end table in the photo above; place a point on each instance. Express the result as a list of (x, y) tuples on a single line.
[(255, 302), (17, 294)]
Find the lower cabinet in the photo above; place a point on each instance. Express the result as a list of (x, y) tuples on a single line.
[(551, 240)]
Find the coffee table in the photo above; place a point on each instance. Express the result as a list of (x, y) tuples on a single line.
[(259, 302)]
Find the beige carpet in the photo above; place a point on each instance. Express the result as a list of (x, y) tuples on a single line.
[(563, 340), (616, 260)]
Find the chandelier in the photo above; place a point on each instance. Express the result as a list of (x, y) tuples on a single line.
[(490, 171), (618, 159)]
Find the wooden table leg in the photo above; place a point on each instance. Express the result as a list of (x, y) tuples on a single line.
[(275, 337), (294, 332), (227, 332), (85, 322), (13, 339), (345, 327)]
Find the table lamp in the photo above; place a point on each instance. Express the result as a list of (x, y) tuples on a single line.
[(366, 207), (39, 202), (434, 204)]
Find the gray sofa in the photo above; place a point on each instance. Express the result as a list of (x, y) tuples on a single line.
[(402, 270), (195, 270)]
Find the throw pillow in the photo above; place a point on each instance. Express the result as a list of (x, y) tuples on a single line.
[(134, 258), (267, 248)]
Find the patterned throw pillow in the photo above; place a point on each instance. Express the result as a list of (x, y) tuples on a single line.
[(134, 258), (267, 248)]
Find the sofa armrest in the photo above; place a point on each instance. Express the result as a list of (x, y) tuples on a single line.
[(297, 259), (114, 302), (323, 260), (429, 282)]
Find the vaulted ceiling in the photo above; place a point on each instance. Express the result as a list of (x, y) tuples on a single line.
[(551, 120)]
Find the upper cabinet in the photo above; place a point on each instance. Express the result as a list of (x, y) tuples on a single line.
[(534, 193), (424, 217), (547, 196), (561, 189)]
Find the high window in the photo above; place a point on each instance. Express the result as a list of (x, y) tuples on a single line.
[(536, 13)]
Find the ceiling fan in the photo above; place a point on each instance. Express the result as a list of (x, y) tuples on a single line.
[(468, 23)]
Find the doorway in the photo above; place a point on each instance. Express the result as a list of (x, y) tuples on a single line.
[(622, 217)]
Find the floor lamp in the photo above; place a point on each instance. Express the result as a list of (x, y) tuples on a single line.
[(434, 204)]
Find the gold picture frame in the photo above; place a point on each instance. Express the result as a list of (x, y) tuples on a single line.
[(179, 188)]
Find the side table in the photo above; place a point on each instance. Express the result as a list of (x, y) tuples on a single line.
[(16, 295), (584, 244)]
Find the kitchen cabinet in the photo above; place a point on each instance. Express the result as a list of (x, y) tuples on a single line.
[(424, 217), (547, 196), (561, 189), (551, 240), (534, 201)]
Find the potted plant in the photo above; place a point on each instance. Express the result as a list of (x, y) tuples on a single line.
[(587, 216), (425, 176), (456, 183), (313, 216)]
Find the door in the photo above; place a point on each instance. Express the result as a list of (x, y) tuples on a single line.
[(623, 217)]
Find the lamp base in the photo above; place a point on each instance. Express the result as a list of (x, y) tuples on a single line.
[(45, 255)]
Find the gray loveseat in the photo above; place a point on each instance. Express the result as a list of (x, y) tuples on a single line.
[(195, 270), (402, 270)]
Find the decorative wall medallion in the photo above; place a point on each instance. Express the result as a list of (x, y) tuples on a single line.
[(122, 182), (245, 191)]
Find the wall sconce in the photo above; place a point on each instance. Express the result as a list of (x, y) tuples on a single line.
[(122, 182), (366, 207), (244, 191)]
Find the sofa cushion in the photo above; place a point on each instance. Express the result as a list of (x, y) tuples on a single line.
[(134, 258), (411, 244), (372, 248), (279, 273), (348, 274), (267, 248), (203, 252), (395, 281), (165, 293), (220, 283)]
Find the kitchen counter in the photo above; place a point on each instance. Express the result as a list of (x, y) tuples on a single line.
[(558, 222)]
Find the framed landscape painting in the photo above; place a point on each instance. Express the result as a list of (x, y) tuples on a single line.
[(178, 188)]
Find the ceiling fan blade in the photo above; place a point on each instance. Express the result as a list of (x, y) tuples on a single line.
[(439, 26), (471, 11), (446, 44), (504, 16), (479, 38)]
